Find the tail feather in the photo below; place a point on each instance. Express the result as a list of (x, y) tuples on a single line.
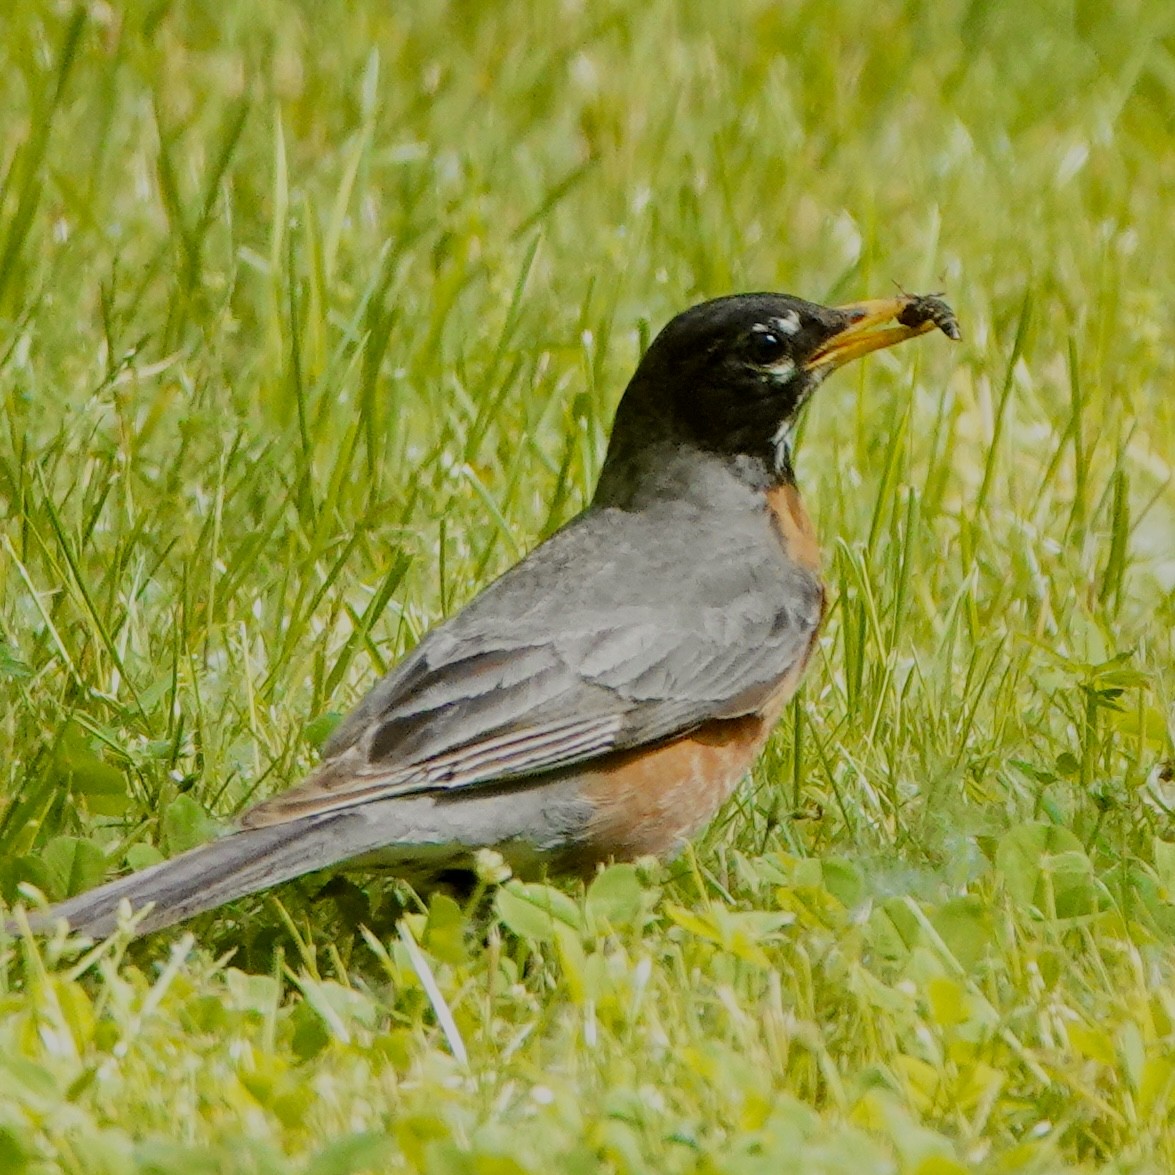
[(536, 820), (208, 876)]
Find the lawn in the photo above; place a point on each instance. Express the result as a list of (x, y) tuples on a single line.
[(312, 319)]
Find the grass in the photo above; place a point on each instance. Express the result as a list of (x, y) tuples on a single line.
[(313, 317)]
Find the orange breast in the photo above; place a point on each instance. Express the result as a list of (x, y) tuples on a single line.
[(651, 801), (794, 526)]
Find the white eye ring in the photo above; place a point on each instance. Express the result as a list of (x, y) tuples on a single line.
[(788, 323)]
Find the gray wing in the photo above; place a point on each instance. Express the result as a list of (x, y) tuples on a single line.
[(597, 642)]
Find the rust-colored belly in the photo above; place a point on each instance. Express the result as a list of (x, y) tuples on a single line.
[(651, 800)]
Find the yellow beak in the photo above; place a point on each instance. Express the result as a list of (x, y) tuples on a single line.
[(915, 315)]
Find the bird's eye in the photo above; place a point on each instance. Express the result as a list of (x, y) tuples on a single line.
[(766, 347)]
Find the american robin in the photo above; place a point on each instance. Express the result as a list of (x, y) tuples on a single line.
[(603, 697)]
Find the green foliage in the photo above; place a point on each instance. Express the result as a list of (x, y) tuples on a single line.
[(313, 317)]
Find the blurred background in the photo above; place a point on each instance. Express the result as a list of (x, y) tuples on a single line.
[(307, 307), (313, 317)]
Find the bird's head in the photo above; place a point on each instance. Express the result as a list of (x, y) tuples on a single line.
[(730, 376)]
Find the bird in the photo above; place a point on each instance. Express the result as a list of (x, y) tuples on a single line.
[(602, 698)]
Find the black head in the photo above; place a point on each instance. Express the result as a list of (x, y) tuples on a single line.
[(730, 376), (732, 372)]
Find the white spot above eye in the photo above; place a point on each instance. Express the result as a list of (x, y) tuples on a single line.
[(788, 323)]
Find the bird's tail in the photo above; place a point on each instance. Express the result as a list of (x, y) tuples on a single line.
[(208, 876), (417, 835)]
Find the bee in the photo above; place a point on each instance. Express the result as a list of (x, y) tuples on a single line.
[(923, 308)]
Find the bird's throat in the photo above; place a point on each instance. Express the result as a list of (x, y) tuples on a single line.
[(781, 450)]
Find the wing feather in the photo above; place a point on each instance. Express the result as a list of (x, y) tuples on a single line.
[(537, 674)]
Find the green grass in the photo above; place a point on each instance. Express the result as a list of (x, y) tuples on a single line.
[(313, 317)]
